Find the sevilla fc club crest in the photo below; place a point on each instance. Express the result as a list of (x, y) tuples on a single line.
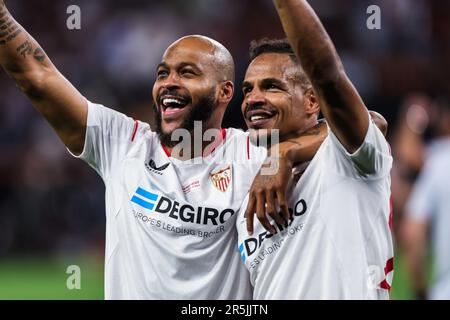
[(221, 180)]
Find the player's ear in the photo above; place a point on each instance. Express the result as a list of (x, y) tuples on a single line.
[(311, 102), (226, 91)]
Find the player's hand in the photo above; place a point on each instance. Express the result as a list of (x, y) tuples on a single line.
[(267, 197)]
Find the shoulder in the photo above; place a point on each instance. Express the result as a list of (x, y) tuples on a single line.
[(113, 121), (372, 159)]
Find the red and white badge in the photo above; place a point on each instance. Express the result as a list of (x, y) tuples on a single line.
[(221, 180)]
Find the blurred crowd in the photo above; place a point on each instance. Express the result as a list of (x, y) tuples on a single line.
[(52, 203)]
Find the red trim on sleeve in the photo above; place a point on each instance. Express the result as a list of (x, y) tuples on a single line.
[(136, 125)]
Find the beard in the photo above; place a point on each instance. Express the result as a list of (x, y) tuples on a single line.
[(201, 111)]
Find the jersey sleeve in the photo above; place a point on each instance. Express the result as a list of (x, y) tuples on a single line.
[(373, 158), (109, 136)]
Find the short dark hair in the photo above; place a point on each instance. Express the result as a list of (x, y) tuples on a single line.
[(266, 45)]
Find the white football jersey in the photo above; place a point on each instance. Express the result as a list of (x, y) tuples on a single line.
[(338, 244), (170, 224)]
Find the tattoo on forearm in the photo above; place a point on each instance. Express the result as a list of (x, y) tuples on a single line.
[(39, 54), (25, 49), (9, 29)]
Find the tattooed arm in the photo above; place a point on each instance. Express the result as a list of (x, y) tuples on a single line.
[(50, 93)]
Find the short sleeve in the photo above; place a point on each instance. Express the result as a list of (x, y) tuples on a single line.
[(373, 158), (109, 136)]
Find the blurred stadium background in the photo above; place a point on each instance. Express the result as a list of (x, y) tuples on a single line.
[(52, 206)]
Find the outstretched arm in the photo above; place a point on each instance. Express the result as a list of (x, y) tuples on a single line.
[(50, 93), (340, 103)]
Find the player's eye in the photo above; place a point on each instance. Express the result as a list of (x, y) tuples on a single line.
[(161, 73), (187, 72), (246, 90)]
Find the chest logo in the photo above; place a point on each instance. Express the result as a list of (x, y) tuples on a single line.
[(151, 166), (221, 179)]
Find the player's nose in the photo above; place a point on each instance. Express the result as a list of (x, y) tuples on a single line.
[(172, 81), (256, 96), (254, 99)]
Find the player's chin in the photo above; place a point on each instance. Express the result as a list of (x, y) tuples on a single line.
[(170, 127)]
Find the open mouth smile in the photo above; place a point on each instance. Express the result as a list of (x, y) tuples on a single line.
[(259, 118), (172, 106)]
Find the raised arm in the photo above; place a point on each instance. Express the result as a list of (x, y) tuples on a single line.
[(340, 103), (50, 93)]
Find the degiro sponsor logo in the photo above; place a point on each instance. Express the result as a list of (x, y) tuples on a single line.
[(252, 244), (144, 198), (178, 211)]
